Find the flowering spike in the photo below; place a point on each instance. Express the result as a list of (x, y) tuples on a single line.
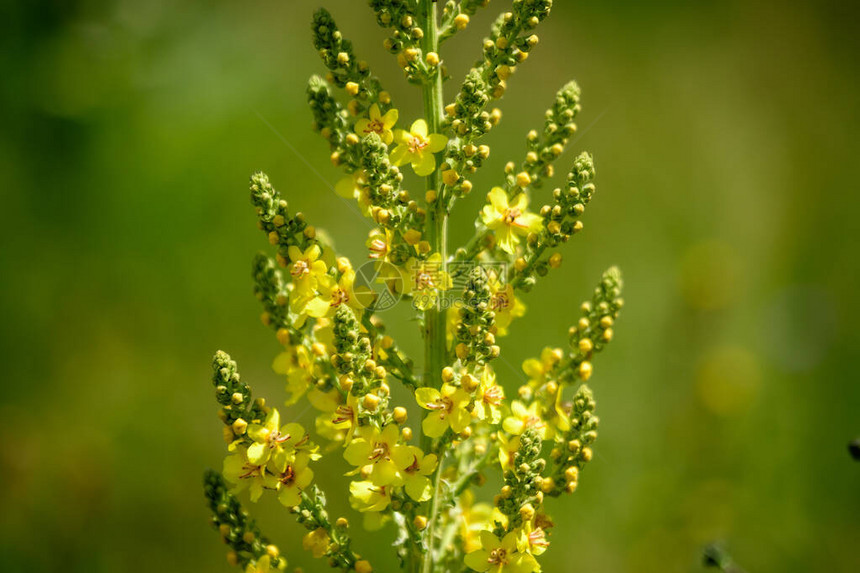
[(476, 342), (345, 70), (545, 148), (249, 549), (575, 450), (455, 16)]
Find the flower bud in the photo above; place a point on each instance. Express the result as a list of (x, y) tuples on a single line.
[(371, 402), (400, 414)]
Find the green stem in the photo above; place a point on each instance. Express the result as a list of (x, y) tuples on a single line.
[(437, 235)]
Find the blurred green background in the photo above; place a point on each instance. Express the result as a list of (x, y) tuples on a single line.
[(725, 136)]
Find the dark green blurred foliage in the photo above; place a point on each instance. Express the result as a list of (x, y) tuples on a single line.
[(725, 139)]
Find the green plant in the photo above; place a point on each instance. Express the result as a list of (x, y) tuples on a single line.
[(338, 356)]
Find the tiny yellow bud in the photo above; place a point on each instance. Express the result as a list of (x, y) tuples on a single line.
[(343, 58), (430, 196), (310, 232), (523, 179), (420, 522), (504, 72), (502, 43), (237, 397), (352, 88), (461, 21), (318, 348), (507, 492), (570, 487), (239, 426), (469, 383), (583, 323), (278, 220), (586, 346), (585, 370), (547, 485), (466, 433), (232, 558), (248, 537), (571, 473), (551, 387), (466, 186), (432, 59), (384, 97), (424, 247), (272, 551), (352, 139), (283, 336), (400, 414), (527, 512), (346, 383), (574, 445), (555, 260), (406, 433), (371, 402), (447, 374), (451, 109), (520, 264), (607, 334), (410, 54), (341, 523), (587, 454), (450, 177), (224, 530), (273, 238), (412, 236), (554, 227), (462, 351), (363, 566)]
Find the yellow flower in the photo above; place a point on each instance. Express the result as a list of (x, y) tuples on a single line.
[(476, 517), (242, 475), (306, 268), (509, 221), (364, 496), (500, 556), (297, 365), (377, 123), (488, 398), (447, 409), (272, 442), (379, 244), (350, 187), (539, 371), (346, 417), (264, 565), (508, 447), (417, 147), (424, 280), (379, 450), (534, 538), (317, 542), (294, 478), (416, 482), (505, 304), (523, 417), (343, 291)]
